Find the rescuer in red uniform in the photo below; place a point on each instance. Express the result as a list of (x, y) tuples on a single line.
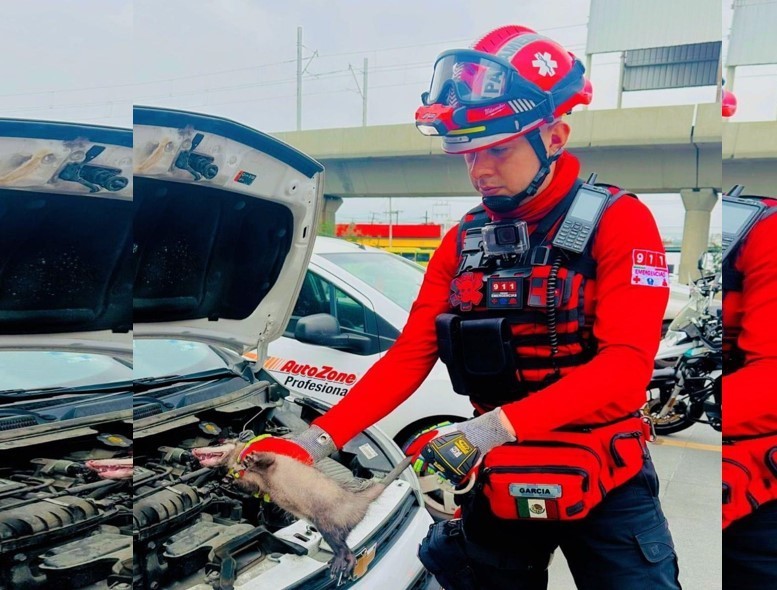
[(546, 304), (750, 406), (750, 412)]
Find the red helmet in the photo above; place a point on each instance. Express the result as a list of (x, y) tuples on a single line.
[(728, 103), (511, 82)]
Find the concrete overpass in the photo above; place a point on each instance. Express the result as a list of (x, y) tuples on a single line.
[(648, 150), (750, 156)]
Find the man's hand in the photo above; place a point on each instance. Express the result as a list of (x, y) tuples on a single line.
[(454, 451), (308, 446), (279, 446)]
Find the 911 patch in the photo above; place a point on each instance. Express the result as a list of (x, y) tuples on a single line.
[(649, 269), (505, 293)]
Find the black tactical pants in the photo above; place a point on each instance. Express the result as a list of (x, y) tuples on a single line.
[(750, 551)]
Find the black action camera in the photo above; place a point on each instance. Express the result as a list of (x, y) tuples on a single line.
[(505, 238)]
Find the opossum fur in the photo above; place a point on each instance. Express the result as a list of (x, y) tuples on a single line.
[(306, 493)]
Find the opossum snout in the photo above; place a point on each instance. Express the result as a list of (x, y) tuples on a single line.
[(213, 456)]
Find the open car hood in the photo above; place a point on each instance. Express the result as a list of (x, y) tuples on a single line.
[(225, 219), (65, 237)]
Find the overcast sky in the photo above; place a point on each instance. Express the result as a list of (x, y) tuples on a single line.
[(89, 60)]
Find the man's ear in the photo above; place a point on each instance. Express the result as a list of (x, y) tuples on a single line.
[(556, 136)]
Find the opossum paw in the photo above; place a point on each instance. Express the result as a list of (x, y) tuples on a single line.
[(342, 565)]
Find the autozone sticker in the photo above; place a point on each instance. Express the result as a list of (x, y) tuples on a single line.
[(649, 269), (320, 378)]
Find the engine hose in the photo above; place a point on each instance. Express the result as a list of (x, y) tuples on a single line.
[(550, 307), (93, 487)]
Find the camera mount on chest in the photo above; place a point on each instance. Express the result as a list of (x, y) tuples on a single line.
[(505, 253), (499, 244), (506, 243)]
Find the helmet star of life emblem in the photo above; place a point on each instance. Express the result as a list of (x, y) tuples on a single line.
[(545, 64)]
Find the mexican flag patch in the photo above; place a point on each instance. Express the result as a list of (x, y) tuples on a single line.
[(537, 508)]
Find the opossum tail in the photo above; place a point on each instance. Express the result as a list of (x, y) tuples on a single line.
[(372, 492), (395, 473)]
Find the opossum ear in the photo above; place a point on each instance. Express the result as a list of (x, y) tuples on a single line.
[(259, 461)]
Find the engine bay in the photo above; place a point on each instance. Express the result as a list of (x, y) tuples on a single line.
[(65, 512), (76, 513)]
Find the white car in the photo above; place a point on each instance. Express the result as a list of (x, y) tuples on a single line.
[(86, 264)]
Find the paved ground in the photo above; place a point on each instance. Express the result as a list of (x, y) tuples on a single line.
[(688, 465)]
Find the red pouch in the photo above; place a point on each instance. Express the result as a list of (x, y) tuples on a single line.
[(562, 478), (749, 476)]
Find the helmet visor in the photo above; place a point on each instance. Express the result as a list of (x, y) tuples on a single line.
[(468, 77)]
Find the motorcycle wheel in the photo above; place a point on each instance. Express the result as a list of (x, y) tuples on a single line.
[(677, 420)]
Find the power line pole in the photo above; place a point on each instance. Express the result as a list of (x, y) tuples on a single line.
[(620, 79), (391, 227), (391, 213), (299, 78), (364, 96), (362, 89)]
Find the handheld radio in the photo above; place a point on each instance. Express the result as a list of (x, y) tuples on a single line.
[(581, 219)]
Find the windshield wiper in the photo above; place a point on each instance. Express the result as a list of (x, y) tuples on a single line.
[(147, 383), (17, 394), (57, 409)]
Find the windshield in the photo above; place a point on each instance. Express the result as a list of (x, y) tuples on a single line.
[(158, 358), (42, 369), (695, 307), (393, 276)]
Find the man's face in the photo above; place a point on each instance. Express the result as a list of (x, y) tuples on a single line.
[(508, 168), (502, 170)]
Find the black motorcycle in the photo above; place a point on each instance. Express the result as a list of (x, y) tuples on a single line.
[(686, 385)]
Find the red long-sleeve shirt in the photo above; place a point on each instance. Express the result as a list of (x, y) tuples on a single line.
[(749, 396), (626, 323)]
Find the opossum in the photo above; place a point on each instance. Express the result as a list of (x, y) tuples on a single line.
[(306, 493)]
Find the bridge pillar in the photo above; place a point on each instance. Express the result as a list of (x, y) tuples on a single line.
[(698, 204), (326, 226)]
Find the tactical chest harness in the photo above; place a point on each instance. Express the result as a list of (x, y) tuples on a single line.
[(749, 466), (519, 322)]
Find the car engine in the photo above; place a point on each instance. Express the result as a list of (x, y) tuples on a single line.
[(194, 528), (76, 513), (65, 508)]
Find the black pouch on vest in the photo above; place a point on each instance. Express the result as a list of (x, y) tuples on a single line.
[(478, 354)]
